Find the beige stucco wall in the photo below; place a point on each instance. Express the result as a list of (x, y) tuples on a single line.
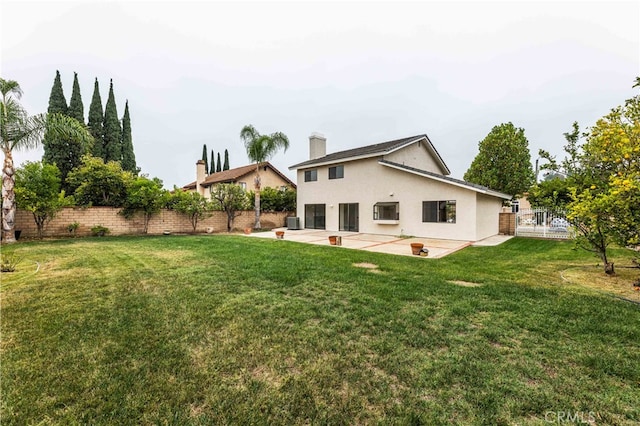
[(366, 182), (415, 155), (487, 218), (268, 178)]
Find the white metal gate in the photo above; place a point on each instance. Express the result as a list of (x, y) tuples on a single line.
[(543, 223)]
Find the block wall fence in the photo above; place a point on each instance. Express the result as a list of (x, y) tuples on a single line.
[(507, 224), (166, 220)]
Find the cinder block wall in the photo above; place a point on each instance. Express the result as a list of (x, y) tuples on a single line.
[(166, 220), (507, 223)]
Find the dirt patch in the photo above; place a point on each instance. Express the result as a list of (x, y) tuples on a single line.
[(366, 265), (593, 277), (466, 283), (267, 376), (371, 267)]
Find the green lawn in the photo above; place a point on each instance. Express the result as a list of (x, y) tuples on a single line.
[(237, 330)]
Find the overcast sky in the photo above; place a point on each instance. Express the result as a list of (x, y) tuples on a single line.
[(360, 73)]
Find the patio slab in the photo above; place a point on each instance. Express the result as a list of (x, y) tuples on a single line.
[(389, 244)]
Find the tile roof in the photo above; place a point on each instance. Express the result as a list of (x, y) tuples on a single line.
[(369, 151), (233, 175), (459, 182), (230, 175)]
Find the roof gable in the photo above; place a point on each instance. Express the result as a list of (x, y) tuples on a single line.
[(232, 175), (374, 150)]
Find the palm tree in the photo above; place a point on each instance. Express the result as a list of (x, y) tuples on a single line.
[(21, 131), (261, 148)]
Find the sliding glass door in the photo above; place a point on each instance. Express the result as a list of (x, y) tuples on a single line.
[(314, 216), (349, 217)]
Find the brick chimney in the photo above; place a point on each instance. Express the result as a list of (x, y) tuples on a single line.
[(201, 173), (317, 146)]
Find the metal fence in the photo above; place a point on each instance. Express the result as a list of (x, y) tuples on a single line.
[(543, 223)]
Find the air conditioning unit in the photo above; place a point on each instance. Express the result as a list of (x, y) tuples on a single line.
[(293, 223)]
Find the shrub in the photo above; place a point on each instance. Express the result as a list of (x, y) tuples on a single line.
[(73, 227), (99, 231), (8, 261)]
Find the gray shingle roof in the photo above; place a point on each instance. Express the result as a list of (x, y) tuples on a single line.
[(365, 151)]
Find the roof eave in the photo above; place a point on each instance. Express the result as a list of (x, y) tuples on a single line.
[(444, 180), (337, 161)]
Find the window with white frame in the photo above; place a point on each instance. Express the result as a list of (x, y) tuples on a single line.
[(386, 211)]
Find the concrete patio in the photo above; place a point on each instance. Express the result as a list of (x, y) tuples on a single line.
[(379, 243)]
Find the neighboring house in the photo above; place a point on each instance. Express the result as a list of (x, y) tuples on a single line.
[(398, 187), (243, 176)]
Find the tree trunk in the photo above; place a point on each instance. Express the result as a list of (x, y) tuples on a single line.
[(608, 266), (147, 218), (257, 199), (230, 217), (257, 225), (40, 221), (8, 198)]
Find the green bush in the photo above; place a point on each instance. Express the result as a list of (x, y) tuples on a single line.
[(9, 261), (99, 231), (73, 227)]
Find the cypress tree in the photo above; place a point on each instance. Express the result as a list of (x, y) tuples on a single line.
[(226, 160), (57, 101), (76, 109), (128, 156), (95, 122), (65, 154), (112, 130), (213, 162), (219, 166), (204, 158), (57, 105)]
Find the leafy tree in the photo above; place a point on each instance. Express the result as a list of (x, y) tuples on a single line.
[(219, 164), (503, 162), (276, 200), (18, 131), (112, 130), (38, 191), (261, 148), (212, 170), (205, 158), (128, 156), (96, 119), (226, 160), (590, 215), (193, 205), (606, 208), (96, 183), (144, 196), (555, 191), (76, 108), (231, 199)]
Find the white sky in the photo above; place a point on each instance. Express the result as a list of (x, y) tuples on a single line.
[(360, 72)]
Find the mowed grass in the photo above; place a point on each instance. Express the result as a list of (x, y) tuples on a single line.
[(236, 330)]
